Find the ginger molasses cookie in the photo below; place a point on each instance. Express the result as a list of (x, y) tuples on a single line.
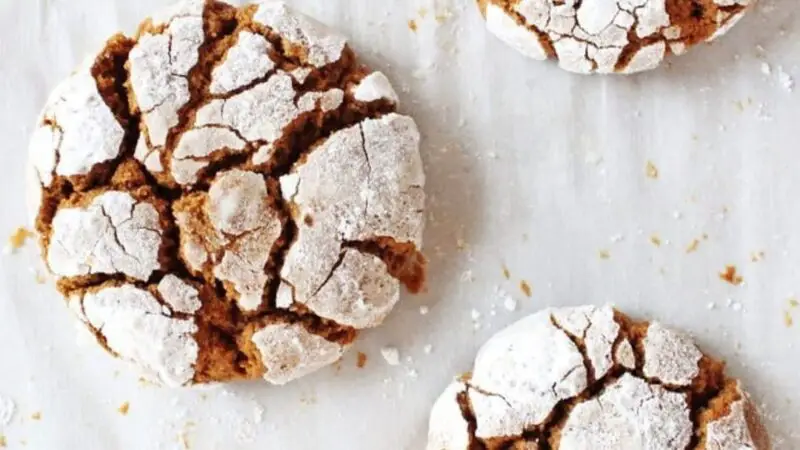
[(605, 36), (228, 194), (590, 378)]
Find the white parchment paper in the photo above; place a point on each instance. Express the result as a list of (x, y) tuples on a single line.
[(530, 168)]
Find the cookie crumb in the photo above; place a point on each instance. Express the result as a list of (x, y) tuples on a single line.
[(793, 303), (3, 441), (604, 254), (476, 315), (18, 239), (731, 276), (757, 256), (7, 410), (391, 355), (655, 240), (412, 25), (693, 246), (510, 304), (39, 277), (124, 408), (506, 273), (36, 416), (651, 170), (361, 361), (787, 319), (526, 289)]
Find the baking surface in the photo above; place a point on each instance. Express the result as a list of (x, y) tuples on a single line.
[(636, 191)]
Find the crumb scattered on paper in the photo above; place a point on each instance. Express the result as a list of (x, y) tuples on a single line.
[(424, 310), (731, 276), (757, 256), (787, 319), (361, 360), (412, 25), (651, 170), (18, 239), (391, 355), (124, 408), (525, 287), (693, 246), (604, 254), (3, 441), (506, 273), (36, 416), (655, 240)]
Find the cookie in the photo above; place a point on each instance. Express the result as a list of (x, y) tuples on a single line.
[(592, 378), (603, 36), (228, 194)]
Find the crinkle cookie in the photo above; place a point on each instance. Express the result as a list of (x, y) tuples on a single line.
[(590, 378), (229, 194), (605, 36)]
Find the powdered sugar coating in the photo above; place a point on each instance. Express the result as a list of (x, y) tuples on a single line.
[(375, 86), (597, 329), (670, 356), (247, 61), (630, 413), (321, 45), (260, 113), (159, 68), (516, 384), (448, 428), (327, 101), (513, 34), (735, 430), (360, 293), (179, 295), (602, 36), (289, 351), (114, 234), (625, 355), (244, 228), (137, 327), (196, 146), (362, 182), (76, 131)]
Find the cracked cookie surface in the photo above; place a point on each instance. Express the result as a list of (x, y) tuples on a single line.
[(605, 36), (592, 378), (228, 194)]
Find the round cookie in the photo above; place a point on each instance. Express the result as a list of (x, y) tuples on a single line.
[(229, 194), (590, 378), (604, 36)]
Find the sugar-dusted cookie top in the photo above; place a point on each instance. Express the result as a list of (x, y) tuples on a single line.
[(229, 194), (590, 378), (604, 36)]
